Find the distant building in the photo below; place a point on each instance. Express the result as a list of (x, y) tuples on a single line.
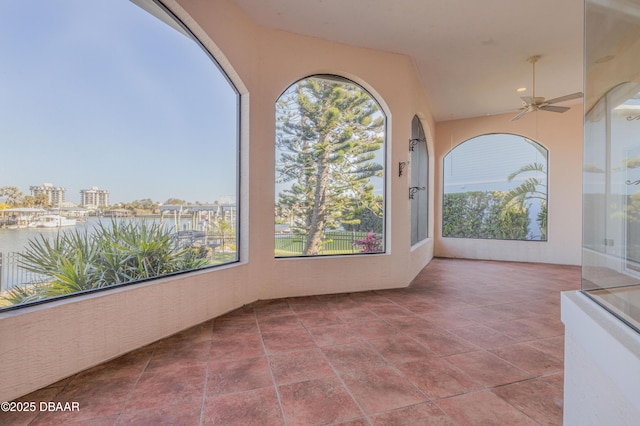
[(94, 197), (55, 194), (227, 211), (227, 208)]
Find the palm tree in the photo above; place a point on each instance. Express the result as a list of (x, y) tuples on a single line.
[(223, 227), (532, 188), (121, 252), (13, 193)]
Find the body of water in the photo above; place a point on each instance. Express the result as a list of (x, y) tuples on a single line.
[(15, 240)]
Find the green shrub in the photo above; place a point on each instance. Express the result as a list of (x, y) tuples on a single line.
[(123, 252), (485, 215)]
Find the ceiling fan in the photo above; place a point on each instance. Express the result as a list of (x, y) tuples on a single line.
[(535, 103)]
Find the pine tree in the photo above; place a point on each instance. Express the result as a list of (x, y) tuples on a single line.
[(328, 133)]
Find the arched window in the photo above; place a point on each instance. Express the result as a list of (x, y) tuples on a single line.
[(495, 187), (120, 153), (419, 182), (330, 167)]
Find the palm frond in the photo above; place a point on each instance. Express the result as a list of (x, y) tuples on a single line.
[(531, 167)]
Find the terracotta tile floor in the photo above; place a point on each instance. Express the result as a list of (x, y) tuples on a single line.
[(470, 342)]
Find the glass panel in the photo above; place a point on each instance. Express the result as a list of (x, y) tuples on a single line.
[(611, 252), (495, 187), (120, 153), (419, 180), (595, 180), (329, 169)]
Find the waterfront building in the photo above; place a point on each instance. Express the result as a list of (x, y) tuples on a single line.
[(55, 194), (94, 197)]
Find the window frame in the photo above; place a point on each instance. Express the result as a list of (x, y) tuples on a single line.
[(384, 162), (160, 11), (547, 184)]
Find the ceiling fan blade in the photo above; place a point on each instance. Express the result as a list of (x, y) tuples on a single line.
[(554, 108), (565, 98), (520, 115), (527, 99)]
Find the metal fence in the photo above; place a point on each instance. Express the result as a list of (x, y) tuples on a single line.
[(331, 243), (12, 275)]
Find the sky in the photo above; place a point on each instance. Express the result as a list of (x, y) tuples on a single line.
[(484, 163), (101, 93)]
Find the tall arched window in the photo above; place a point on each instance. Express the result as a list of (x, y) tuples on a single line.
[(120, 149), (330, 167), (419, 182), (495, 187)]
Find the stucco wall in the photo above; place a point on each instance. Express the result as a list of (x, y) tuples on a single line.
[(40, 345), (561, 135)]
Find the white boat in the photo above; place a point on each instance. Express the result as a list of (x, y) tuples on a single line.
[(52, 221)]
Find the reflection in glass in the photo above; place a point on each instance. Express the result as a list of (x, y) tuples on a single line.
[(612, 202)]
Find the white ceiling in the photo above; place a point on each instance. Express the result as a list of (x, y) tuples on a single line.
[(471, 55)]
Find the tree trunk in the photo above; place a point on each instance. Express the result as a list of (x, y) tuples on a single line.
[(318, 217)]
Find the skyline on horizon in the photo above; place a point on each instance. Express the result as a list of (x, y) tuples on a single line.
[(222, 199)]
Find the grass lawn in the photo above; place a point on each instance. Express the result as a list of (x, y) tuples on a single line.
[(223, 257), (339, 242)]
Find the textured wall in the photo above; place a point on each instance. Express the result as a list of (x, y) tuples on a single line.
[(561, 134)]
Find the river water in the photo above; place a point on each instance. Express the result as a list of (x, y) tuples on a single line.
[(15, 240)]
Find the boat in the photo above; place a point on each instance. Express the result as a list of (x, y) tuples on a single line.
[(52, 221), (18, 218)]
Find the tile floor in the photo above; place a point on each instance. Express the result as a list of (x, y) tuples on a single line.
[(469, 343)]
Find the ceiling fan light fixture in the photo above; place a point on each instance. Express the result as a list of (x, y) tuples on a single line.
[(535, 103)]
